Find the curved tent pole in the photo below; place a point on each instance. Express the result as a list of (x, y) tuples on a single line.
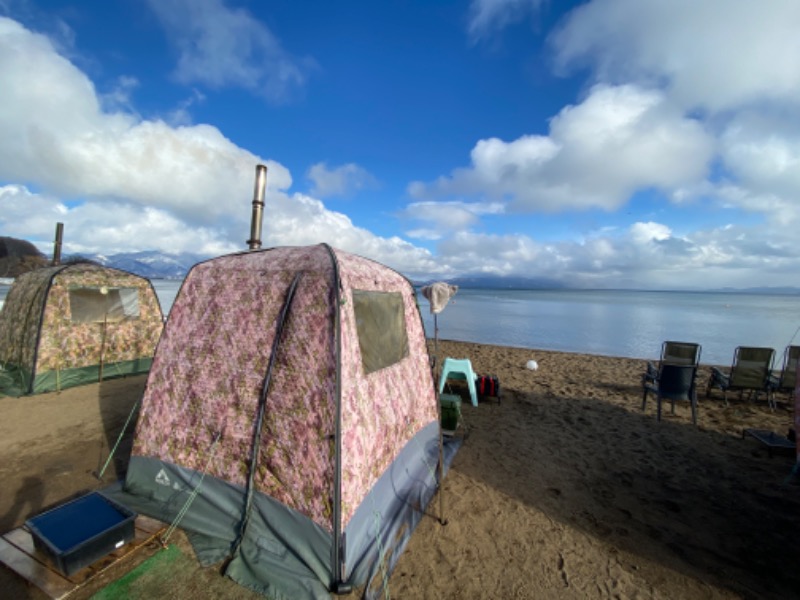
[(339, 585), (51, 277), (262, 402)]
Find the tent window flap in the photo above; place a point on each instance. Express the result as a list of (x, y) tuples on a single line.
[(103, 304), (381, 327)]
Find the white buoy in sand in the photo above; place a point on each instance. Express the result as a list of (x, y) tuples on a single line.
[(532, 365)]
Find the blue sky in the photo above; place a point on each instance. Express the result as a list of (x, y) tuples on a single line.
[(609, 143)]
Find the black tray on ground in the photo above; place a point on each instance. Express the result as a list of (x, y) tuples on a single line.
[(773, 441)]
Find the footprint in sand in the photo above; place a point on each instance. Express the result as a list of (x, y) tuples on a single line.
[(672, 506), (654, 533), (562, 570), (625, 479)]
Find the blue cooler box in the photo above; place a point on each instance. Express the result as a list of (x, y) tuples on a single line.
[(82, 531)]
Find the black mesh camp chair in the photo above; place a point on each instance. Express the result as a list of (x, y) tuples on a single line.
[(785, 381), (750, 372), (674, 377)]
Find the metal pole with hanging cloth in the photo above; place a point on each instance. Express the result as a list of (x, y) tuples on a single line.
[(438, 295)]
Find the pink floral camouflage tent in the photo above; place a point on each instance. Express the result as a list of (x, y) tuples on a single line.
[(290, 420), (74, 324)]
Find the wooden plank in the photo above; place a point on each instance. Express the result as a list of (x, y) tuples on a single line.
[(50, 582), (150, 525), (22, 539), (18, 552)]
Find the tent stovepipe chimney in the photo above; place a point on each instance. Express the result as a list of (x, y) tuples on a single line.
[(57, 246), (254, 243)]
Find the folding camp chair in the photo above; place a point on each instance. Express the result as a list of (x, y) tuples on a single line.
[(674, 377), (786, 380), (750, 371)]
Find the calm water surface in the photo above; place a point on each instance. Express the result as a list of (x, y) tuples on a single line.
[(618, 322), (608, 322)]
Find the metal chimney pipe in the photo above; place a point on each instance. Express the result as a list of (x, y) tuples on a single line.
[(254, 242), (57, 248)]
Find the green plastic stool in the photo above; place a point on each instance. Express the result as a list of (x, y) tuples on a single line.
[(459, 368)]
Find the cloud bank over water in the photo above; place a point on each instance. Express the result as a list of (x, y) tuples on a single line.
[(674, 165)]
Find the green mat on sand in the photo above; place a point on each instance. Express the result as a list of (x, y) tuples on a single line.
[(158, 565)]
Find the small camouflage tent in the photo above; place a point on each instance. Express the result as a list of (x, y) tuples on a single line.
[(73, 324), (290, 421)]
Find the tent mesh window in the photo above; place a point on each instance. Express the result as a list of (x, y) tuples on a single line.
[(102, 304), (381, 326)]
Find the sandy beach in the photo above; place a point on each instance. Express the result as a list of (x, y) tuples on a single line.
[(564, 489)]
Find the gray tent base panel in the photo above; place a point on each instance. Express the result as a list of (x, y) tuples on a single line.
[(286, 555), (15, 381), (382, 525), (284, 547)]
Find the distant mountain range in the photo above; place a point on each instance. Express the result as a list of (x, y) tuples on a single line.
[(150, 264), (782, 290), (498, 282), (162, 265)]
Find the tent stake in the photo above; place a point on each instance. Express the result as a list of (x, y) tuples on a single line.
[(442, 520)]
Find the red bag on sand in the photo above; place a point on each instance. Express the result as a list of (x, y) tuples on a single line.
[(488, 386)]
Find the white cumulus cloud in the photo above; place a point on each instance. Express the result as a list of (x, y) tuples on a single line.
[(221, 46), (343, 180), (599, 152), (489, 16), (442, 218), (714, 54), (120, 183)]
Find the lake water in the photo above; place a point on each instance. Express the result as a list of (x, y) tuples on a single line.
[(613, 323), (620, 323)]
